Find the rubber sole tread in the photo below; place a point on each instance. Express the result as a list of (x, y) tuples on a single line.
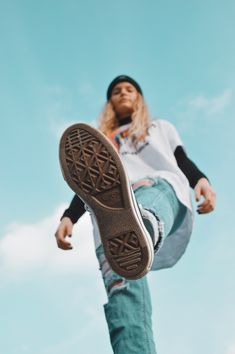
[(93, 169)]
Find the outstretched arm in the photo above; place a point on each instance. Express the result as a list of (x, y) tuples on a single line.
[(187, 166), (197, 180)]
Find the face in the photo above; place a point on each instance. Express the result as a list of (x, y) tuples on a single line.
[(123, 99)]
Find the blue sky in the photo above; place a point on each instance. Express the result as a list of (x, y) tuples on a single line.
[(57, 58)]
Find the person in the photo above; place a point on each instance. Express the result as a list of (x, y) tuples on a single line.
[(141, 222)]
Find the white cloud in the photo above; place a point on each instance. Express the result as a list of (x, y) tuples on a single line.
[(231, 349), (212, 105), (29, 247)]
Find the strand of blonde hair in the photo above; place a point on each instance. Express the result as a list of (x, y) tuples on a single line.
[(141, 120)]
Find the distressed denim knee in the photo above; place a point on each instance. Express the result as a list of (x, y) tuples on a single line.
[(112, 281)]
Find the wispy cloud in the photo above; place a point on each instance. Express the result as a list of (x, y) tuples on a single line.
[(202, 108), (26, 248), (210, 105)]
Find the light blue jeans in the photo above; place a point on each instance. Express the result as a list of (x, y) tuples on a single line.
[(128, 311)]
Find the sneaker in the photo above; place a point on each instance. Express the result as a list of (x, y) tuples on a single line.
[(93, 169)]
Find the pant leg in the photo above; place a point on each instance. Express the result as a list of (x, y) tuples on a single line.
[(161, 200), (128, 311)]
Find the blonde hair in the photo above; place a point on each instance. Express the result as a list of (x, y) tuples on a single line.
[(141, 120)]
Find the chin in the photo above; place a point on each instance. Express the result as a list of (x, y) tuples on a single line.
[(126, 111)]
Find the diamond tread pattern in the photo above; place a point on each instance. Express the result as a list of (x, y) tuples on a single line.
[(90, 164), (126, 251)]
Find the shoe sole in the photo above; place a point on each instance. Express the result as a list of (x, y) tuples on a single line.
[(92, 168)]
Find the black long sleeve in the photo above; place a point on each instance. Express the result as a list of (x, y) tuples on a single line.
[(188, 167), (75, 210)]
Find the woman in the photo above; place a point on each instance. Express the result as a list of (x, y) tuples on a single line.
[(131, 238)]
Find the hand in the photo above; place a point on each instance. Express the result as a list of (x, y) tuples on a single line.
[(65, 229), (203, 188)]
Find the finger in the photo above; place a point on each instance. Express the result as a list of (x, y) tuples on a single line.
[(197, 194), (205, 207), (201, 212), (61, 233), (64, 245), (62, 242)]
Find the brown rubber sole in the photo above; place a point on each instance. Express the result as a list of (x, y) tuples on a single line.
[(92, 168)]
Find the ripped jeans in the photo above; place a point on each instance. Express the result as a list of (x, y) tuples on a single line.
[(128, 311)]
